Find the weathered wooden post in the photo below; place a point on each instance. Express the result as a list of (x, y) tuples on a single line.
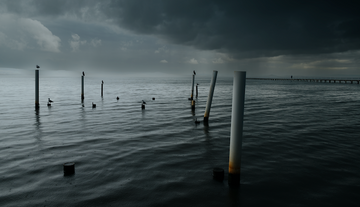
[(37, 104), (82, 88), (192, 88), (197, 90), (237, 117), (210, 97), (102, 88)]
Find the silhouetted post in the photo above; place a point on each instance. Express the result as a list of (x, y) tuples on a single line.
[(102, 88), (237, 117), (210, 97), (192, 87), (197, 90), (82, 88), (37, 104)]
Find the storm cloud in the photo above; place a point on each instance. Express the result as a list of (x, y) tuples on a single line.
[(233, 30), (247, 28)]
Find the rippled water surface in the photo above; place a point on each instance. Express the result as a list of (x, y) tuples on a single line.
[(300, 147)]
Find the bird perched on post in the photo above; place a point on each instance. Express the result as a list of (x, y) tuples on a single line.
[(194, 72), (83, 73), (37, 66), (102, 82), (143, 102), (50, 101)]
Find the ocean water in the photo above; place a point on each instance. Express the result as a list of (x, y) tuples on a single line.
[(301, 144)]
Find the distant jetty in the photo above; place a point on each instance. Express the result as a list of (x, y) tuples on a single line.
[(320, 80)]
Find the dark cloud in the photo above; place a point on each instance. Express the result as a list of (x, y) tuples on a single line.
[(246, 28), (240, 28)]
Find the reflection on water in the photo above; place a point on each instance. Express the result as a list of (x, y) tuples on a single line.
[(38, 131), (37, 119), (206, 128), (234, 195)]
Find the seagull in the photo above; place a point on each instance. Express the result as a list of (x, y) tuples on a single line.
[(50, 100), (37, 66), (143, 102), (194, 72), (83, 73), (93, 105)]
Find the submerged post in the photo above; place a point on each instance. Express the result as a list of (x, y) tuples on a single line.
[(237, 117), (192, 88), (82, 88), (210, 96), (37, 104)]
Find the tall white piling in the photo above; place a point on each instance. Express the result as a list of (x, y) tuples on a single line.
[(210, 96), (237, 117), (192, 87), (37, 104), (82, 88)]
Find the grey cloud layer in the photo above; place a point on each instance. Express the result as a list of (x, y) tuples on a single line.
[(241, 28)]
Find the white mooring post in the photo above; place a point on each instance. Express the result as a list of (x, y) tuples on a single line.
[(210, 97), (37, 104), (237, 117)]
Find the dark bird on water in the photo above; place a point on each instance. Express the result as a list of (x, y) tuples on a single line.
[(93, 105), (143, 102), (117, 98), (48, 104), (37, 66), (83, 73), (194, 72), (50, 100)]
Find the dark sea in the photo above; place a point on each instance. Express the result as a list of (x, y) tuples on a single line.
[(301, 143)]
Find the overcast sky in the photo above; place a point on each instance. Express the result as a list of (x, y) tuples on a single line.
[(173, 37)]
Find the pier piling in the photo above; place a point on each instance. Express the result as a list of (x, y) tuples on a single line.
[(197, 90), (37, 104), (69, 168), (210, 97), (82, 88), (102, 88), (192, 88), (237, 117)]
